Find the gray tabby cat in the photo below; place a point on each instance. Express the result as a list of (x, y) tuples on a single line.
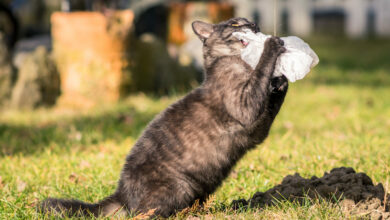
[(189, 149)]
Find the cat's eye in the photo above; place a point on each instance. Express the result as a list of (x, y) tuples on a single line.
[(235, 25)]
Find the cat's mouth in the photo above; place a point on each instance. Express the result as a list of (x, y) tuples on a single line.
[(244, 42), (240, 36)]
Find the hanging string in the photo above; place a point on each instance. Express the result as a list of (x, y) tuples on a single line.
[(275, 15)]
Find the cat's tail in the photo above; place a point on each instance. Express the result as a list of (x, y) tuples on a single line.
[(75, 208)]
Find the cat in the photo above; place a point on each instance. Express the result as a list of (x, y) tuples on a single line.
[(186, 152)]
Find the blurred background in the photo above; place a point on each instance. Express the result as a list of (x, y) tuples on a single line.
[(84, 52), (80, 80)]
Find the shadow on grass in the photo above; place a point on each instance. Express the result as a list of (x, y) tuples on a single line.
[(81, 132), (347, 54), (363, 62), (379, 79)]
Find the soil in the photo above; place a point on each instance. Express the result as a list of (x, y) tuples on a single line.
[(355, 192)]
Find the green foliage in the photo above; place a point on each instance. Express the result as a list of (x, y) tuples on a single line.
[(337, 116)]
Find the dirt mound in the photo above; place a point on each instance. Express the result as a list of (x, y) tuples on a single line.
[(356, 190)]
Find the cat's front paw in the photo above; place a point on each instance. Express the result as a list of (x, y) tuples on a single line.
[(275, 46), (279, 84)]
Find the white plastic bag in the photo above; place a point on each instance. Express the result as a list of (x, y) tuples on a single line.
[(295, 63)]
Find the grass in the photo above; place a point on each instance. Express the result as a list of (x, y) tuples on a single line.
[(337, 116)]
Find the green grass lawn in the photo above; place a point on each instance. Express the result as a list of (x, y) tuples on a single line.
[(338, 116)]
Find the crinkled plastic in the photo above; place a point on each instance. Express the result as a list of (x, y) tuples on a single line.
[(295, 63)]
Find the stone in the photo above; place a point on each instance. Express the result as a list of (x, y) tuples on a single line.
[(38, 82), (91, 52), (7, 73), (154, 71)]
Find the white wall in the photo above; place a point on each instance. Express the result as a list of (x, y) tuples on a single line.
[(300, 21), (382, 16), (356, 17)]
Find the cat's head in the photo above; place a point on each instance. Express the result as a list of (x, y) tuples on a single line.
[(218, 40)]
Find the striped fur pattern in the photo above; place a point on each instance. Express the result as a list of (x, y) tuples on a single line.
[(186, 152)]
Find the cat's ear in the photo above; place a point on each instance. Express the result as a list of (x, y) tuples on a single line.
[(202, 29)]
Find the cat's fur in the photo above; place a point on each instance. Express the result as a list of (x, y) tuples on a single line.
[(189, 149)]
